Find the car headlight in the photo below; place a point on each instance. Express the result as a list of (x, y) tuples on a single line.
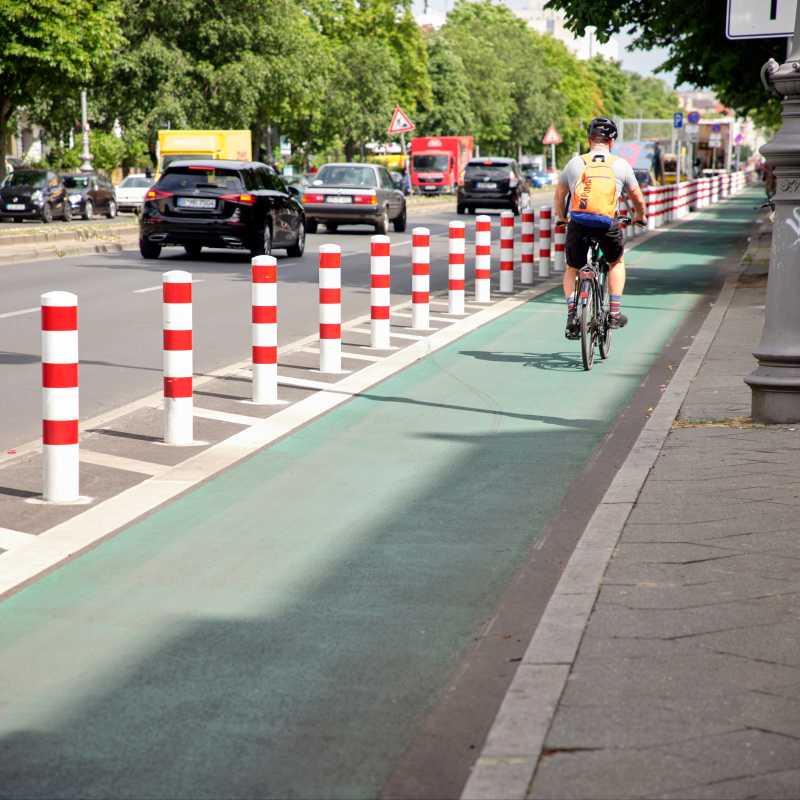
[(37, 196), (74, 198)]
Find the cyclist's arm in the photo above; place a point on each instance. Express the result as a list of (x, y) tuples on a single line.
[(637, 198), (559, 202)]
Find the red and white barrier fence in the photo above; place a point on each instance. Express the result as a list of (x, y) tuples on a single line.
[(483, 259), (421, 279), (264, 317), (330, 308), (60, 448), (559, 247), (177, 324), (455, 268), (526, 247), (507, 252), (380, 292), (545, 229)]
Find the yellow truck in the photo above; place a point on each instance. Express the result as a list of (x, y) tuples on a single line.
[(174, 145)]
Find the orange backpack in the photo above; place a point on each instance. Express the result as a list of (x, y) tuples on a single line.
[(594, 201)]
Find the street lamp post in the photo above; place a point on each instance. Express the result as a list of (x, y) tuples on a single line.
[(86, 156), (775, 382)]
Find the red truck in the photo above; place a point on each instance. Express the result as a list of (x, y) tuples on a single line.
[(437, 163)]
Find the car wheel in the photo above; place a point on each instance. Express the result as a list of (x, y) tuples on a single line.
[(331, 227), (193, 250), (112, 209), (47, 213), (382, 225), (18, 219), (263, 247), (400, 222), (88, 210), (311, 226), (67, 212), (461, 209), (149, 249), (296, 250)]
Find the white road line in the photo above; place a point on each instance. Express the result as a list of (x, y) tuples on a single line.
[(410, 336), (156, 288), (345, 354), (476, 306), (10, 539), (406, 315), (19, 313), (120, 462), (305, 383), (225, 416)]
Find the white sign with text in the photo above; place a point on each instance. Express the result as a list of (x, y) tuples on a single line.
[(760, 19)]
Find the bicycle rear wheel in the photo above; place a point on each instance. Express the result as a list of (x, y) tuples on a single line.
[(604, 331), (588, 319)]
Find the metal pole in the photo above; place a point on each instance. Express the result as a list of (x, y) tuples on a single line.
[(775, 382), (86, 156), (553, 156)]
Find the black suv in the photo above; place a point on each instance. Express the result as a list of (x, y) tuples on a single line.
[(33, 194), (232, 204), (493, 183), (89, 192)]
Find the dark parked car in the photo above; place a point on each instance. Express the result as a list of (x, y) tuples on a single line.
[(88, 193), (354, 193), (493, 183), (33, 194), (233, 204)]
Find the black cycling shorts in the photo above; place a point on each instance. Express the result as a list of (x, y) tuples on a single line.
[(612, 243)]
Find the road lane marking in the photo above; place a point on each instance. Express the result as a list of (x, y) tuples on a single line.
[(19, 313), (406, 315), (225, 416), (305, 383), (160, 285), (11, 539), (413, 337), (356, 356), (120, 462)]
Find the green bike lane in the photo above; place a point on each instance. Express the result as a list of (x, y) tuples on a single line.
[(282, 630)]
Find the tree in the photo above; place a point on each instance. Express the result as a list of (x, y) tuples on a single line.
[(50, 48), (699, 51), (628, 94), (451, 109)]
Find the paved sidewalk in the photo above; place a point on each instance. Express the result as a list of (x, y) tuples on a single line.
[(686, 681)]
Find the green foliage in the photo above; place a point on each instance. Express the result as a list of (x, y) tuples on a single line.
[(451, 107), (699, 52)]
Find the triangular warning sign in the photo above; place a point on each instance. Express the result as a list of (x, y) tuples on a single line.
[(400, 122), (552, 136)]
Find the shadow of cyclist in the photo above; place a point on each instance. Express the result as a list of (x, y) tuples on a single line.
[(558, 362)]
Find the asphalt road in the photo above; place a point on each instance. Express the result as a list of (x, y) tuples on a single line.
[(120, 313)]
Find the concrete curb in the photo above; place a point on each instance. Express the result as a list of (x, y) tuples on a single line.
[(510, 755), (36, 252)]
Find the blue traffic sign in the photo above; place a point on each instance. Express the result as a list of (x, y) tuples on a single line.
[(716, 128), (677, 119), (694, 117)]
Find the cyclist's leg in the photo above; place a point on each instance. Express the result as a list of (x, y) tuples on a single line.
[(613, 245), (576, 249)]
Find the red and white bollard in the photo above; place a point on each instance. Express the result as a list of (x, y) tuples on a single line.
[(559, 247), (421, 279), (177, 317), (545, 219), (455, 268), (60, 449), (483, 259), (507, 252), (526, 248), (264, 294), (380, 292), (330, 308)]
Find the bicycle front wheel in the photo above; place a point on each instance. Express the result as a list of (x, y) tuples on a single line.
[(604, 331), (588, 319)]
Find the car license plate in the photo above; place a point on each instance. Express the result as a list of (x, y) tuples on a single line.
[(485, 185), (337, 198), (15, 206), (196, 202), (430, 188)]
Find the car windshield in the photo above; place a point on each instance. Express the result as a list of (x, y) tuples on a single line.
[(136, 182), (33, 179), (345, 175), (487, 170), (431, 162), (181, 179), (76, 181)]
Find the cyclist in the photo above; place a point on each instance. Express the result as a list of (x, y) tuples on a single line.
[(595, 181)]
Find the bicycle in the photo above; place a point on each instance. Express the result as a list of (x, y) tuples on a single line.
[(592, 306)]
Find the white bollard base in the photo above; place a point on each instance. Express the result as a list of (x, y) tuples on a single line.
[(381, 334), (483, 290), (61, 473), (526, 274), (420, 317), (455, 301), (544, 267), (330, 355), (178, 420), (265, 384), (506, 281)]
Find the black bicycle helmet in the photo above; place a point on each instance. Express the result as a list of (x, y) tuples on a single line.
[(602, 128)]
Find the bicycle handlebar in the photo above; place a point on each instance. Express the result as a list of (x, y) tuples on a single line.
[(627, 220)]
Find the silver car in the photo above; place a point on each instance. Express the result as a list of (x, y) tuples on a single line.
[(343, 194)]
